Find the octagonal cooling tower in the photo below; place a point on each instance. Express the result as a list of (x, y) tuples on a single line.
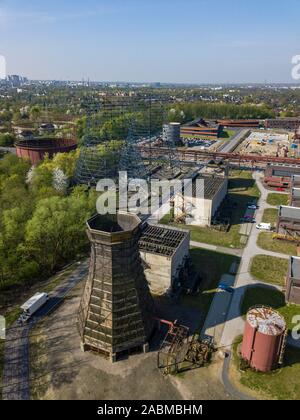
[(116, 309)]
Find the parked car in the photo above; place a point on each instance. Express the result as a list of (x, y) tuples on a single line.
[(31, 306), (226, 288), (253, 207), (264, 226)]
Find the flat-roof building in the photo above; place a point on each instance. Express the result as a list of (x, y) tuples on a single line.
[(202, 202), (282, 123), (201, 127), (165, 255), (288, 220), (292, 294), (239, 123)]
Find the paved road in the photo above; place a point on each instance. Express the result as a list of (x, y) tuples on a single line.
[(227, 384), (15, 381), (234, 325), (232, 144)]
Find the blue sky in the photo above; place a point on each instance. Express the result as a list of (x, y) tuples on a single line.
[(193, 41)]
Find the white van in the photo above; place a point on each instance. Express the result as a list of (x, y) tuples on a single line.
[(264, 226)]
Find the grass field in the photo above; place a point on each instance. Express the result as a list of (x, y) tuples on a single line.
[(211, 266), (283, 383), (280, 384), (266, 241), (260, 295), (241, 190), (275, 199), (270, 216), (269, 269)]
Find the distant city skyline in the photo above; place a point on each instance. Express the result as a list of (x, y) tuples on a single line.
[(166, 41)]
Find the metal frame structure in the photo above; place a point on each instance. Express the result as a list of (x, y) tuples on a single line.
[(161, 240), (179, 352), (140, 122)]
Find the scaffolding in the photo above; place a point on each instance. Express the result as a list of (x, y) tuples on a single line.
[(119, 135)]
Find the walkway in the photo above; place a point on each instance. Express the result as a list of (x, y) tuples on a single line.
[(222, 249), (16, 382), (234, 325)]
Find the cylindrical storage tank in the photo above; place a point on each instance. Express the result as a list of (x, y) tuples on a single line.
[(263, 339), (171, 133), (36, 149)]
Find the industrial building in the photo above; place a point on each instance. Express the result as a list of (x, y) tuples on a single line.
[(282, 123), (116, 313), (292, 294), (171, 134), (295, 197), (280, 175), (203, 128), (208, 193), (288, 220), (36, 149), (264, 339), (165, 254), (239, 123)]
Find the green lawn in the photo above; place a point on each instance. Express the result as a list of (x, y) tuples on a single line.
[(283, 383), (211, 266), (270, 216), (269, 269), (280, 384), (260, 295), (266, 241), (241, 190), (275, 199), (227, 134)]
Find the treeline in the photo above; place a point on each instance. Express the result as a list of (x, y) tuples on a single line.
[(189, 111), (42, 219)]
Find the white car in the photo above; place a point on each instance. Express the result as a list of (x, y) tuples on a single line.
[(264, 226)]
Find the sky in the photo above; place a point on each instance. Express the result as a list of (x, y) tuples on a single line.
[(178, 41)]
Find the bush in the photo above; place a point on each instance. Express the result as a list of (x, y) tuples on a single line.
[(7, 140)]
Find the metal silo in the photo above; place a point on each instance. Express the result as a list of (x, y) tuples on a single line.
[(171, 133), (264, 338)]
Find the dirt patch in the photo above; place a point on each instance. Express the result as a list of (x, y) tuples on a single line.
[(60, 370)]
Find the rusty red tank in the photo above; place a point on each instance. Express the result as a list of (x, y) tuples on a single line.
[(264, 338), (36, 149)]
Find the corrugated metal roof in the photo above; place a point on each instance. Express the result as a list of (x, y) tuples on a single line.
[(266, 320)]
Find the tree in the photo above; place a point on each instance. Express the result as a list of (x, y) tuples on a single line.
[(56, 232), (7, 139), (35, 113)]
